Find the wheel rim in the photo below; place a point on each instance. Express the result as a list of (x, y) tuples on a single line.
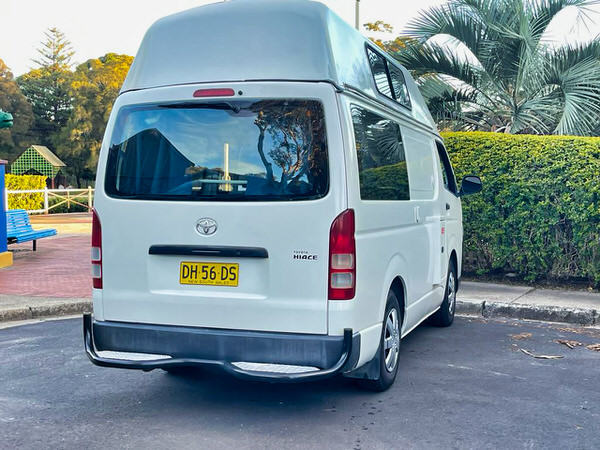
[(451, 293), (391, 340)]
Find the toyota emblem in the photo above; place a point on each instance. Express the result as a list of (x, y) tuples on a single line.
[(206, 226)]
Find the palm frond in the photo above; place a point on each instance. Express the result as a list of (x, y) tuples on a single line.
[(534, 116), (542, 13), (512, 80), (434, 58), (461, 20), (576, 73)]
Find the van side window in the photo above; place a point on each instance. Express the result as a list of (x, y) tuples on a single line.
[(379, 69), (446, 168), (399, 86), (381, 159), (389, 80)]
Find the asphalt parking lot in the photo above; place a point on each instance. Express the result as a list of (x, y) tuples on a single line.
[(467, 386)]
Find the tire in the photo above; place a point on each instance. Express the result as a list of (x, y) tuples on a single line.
[(444, 316), (388, 357)]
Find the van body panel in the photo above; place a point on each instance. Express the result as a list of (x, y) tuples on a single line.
[(450, 211), (97, 304), (145, 288), (395, 237), (284, 292), (369, 343)]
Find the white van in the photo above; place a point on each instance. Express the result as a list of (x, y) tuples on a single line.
[(273, 198)]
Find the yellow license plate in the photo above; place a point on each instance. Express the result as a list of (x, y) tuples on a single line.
[(211, 274)]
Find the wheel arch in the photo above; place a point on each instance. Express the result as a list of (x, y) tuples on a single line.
[(399, 289), (454, 259)]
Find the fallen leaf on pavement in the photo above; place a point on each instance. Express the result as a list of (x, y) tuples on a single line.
[(568, 343), (541, 356), (595, 347), (571, 330), (518, 337)]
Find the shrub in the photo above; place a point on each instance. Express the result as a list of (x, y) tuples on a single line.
[(25, 183), (539, 212)]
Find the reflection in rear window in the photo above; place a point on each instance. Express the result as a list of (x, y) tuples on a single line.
[(235, 150)]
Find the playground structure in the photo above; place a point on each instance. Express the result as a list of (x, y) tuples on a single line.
[(38, 160), (6, 119)]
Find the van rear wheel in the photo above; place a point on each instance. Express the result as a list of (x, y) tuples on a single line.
[(389, 347), (445, 315)]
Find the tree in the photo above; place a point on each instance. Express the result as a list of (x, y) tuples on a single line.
[(56, 52), (47, 87), (489, 65), (391, 46), (15, 140), (96, 84)]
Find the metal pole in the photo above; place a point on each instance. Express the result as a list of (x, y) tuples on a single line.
[(357, 15), (46, 200), (226, 176)]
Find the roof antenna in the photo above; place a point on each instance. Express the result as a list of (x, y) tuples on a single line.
[(357, 15)]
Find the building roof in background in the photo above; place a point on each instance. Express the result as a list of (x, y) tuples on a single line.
[(48, 155), (37, 158)]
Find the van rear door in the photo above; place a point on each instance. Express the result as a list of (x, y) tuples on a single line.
[(217, 213)]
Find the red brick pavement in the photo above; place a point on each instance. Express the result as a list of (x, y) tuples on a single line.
[(59, 268)]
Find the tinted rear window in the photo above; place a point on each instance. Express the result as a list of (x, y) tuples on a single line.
[(241, 151)]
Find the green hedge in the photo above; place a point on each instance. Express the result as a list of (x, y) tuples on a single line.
[(387, 182), (25, 183), (539, 212)]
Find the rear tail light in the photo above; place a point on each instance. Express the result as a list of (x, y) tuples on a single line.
[(96, 251), (342, 257)]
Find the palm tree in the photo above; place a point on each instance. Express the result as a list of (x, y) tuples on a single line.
[(489, 65)]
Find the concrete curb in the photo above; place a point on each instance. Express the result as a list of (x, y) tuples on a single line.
[(55, 309), (545, 313)]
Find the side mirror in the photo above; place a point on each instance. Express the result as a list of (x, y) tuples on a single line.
[(470, 185)]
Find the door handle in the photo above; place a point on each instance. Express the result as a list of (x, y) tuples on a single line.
[(447, 206)]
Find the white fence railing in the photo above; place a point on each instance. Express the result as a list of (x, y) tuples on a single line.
[(81, 197)]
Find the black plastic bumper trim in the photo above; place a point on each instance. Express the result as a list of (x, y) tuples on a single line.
[(346, 362), (209, 250)]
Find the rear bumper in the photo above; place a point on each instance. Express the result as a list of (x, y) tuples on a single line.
[(185, 346)]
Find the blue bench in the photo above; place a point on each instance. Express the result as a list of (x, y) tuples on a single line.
[(19, 229)]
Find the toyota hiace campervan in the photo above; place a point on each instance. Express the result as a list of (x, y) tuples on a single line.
[(272, 198)]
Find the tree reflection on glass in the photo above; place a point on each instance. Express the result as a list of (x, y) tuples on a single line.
[(297, 143)]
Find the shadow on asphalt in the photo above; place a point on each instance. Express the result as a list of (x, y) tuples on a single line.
[(197, 387)]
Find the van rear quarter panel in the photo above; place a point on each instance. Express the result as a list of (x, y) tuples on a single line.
[(391, 241), (276, 294)]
